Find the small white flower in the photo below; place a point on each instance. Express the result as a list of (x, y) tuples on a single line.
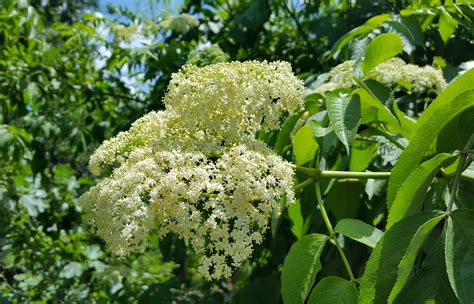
[(393, 73), (196, 168)]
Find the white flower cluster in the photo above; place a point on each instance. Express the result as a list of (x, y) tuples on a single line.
[(230, 101), (394, 73), (187, 169)]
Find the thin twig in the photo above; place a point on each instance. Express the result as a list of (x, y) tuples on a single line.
[(332, 234)]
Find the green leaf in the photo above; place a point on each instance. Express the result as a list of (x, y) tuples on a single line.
[(459, 252), (344, 113), (453, 100), (71, 270), (362, 153), (332, 290), (405, 267), (381, 270), (300, 268), (410, 31), (407, 124), (381, 93), (359, 231), (373, 101), (318, 130), (430, 283), (283, 137), (304, 145), (456, 132), (313, 102), (299, 225), (382, 48), (409, 197), (410, 28), (364, 29), (344, 198), (447, 24)]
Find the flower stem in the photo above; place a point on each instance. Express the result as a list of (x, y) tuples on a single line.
[(333, 236), (304, 184), (316, 174), (348, 174)]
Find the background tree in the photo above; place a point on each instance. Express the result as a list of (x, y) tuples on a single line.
[(70, 78)]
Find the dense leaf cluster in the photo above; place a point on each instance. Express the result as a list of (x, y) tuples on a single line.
[(69, 79)]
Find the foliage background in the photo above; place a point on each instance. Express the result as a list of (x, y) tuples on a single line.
[(70, 78)]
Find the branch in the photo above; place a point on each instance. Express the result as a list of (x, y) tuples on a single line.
[(316, 174), (299, 27)]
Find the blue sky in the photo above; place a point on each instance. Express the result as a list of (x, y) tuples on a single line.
[(141, 6)]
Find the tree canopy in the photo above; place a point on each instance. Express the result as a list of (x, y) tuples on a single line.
[(388, 92)]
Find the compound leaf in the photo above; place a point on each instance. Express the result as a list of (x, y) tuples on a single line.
[(381, 270)]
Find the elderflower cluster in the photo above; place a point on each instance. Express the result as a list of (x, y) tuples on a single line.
[(196, 168), (230, 101), (394, 73)]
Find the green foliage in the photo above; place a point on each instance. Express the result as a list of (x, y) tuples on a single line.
[(304, 145), (300, 268), (430, 282), (381, 271), (362, 152), (460, 253), (407, 262), (70, 80), (382, 48), (459, 97), (334, 290), (410, 196), (344, 113), (359, 231)]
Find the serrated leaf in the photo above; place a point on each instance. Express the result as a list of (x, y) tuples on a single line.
[(430, 283), (359, 231), (344, 113), (459, 251), (453, 100), (300, 268), (409, 197), (334, 290), (381, 270), (382, 48), (304, 145), (456, 132), (407, 124), (406, 264)]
